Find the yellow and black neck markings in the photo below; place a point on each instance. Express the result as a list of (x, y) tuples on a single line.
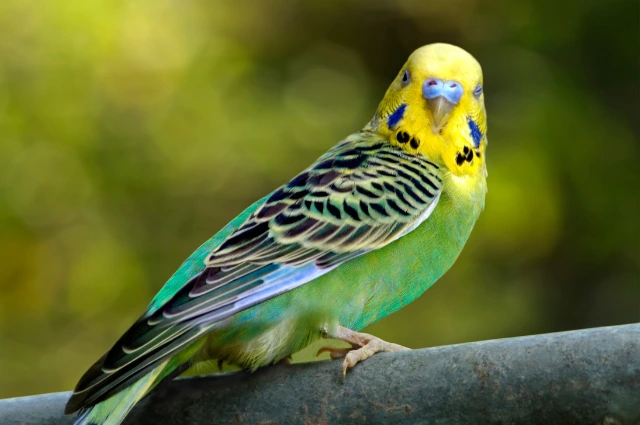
[(465, 156), (462, 155), (403, 137), (477, 137)]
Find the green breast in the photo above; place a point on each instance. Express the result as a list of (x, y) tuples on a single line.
[(381, 282)]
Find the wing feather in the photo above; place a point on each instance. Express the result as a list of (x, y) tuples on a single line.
[(361, 195)]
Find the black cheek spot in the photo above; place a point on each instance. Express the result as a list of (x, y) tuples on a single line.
[(469, 156), (466, 150), (415, 143), (459, 159), (478, 154), (402, 137)]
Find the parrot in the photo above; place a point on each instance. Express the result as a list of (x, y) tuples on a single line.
[(360, 233)]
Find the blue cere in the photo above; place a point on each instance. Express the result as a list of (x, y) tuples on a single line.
[(396, 116), (435, 87), (476, 134)]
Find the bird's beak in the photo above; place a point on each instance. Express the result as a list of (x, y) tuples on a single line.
[(440, 108), (442, 98)]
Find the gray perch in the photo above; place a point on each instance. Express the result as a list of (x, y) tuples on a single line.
[(582, 377)]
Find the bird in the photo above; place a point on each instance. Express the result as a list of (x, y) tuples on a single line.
[(360, 233)]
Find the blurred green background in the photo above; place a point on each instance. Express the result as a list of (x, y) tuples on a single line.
[(131, 131)]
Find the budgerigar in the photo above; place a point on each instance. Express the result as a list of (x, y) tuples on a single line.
[(360, 233)]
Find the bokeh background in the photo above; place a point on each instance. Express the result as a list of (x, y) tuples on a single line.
[(131, 131)]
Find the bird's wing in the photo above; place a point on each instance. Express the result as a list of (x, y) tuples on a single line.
[(359, 196)]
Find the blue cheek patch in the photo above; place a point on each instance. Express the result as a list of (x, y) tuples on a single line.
[(396, 116), (476, 134)]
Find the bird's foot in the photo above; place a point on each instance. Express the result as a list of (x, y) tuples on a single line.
[(336, 353), (363, 346)]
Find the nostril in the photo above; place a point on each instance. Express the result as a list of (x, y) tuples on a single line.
[(453, 85), (432, 83)]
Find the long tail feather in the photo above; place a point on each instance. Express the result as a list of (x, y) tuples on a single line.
[(113, 410)]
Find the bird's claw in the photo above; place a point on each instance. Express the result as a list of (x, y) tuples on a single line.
[(363, 346), (372, 346)]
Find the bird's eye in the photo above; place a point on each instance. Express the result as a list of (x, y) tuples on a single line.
[(478, 91), (406, 78)]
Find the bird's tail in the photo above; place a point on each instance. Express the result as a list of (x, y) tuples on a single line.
[(113, 410)]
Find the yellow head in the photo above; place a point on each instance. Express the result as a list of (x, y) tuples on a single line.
[(435, 106)]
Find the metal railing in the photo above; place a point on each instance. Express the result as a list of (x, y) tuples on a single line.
[(588, 376)]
